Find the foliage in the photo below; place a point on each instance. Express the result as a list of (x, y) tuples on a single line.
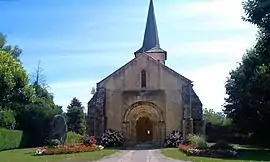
[(222, 145), (7, 119), (15, 51), (257, 12), (112, 138), (218, 122), (88, 141), (215, 118), (76, 117), (35, 121), (10, 139), (14, 82), (32, 104), (73, 138), (190, 150), (35, 118), (197, 141), (248, 86), (54, 143), (173, 139)]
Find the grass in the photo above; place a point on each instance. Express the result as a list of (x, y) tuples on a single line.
[(26, 155), (246, 153)]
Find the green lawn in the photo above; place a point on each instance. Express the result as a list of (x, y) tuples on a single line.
[(26, 155), (245, 154)]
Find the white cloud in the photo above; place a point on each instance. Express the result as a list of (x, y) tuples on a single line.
[(232, 48), (210, 14), (209, 84)]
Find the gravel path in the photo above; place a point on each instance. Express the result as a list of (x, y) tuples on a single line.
[(138, 156)]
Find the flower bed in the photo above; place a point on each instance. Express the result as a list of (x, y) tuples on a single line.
[(66, 149), (190, 150), (87, 144)]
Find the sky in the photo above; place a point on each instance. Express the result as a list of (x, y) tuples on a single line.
[(78, 43)]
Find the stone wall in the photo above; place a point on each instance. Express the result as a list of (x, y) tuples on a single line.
[(193, 114), (96, 113)]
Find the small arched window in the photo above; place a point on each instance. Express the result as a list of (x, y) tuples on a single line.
[(143, 79)]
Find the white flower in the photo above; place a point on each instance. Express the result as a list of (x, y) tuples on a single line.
[(100, 147), (39, 152)]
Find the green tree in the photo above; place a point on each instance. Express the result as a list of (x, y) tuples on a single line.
[(32, 104), (13, 51), (35, 118), (248, 86), (76, 117), (14, 82), (7, 119), (215, 118)]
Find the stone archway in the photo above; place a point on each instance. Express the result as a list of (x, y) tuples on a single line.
[(138, 113)]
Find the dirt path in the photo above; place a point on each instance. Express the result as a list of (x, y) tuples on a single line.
[(138, 156)]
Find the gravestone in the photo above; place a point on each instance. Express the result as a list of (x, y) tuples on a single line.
[(59, 128)]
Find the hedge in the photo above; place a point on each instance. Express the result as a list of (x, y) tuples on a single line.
[(10, 139), (73, 138)]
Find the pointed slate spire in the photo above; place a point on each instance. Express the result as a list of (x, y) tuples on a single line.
[(151, 41)]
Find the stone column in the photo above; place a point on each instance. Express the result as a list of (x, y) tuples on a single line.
[(155, 132), (203, 127), (126, 132), (133, 132), (191, 125), (162, 131), (184, 129)]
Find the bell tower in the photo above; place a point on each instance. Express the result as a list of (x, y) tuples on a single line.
[(151, 44)]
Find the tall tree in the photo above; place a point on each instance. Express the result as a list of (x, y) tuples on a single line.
[(13, 51), (76, 117), (32, 104), (14, 82), (248, 86)]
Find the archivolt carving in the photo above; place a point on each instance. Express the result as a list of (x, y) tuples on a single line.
[(140, 109)]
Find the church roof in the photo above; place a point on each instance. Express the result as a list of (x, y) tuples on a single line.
[(150, 58), (151, 40)]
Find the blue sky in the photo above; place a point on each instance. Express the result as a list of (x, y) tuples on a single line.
[(80, 42)]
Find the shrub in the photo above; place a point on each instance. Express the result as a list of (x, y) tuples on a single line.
[(7, 119), (10, 139), (88, 141), (222, 145), (173, 139), (54, 142), (197, 141), (73, 138), (112, 138), (196, 149)]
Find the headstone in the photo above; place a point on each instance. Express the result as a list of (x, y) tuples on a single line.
[(59, 128)]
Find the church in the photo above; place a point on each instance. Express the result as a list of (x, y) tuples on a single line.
[(145, 100)]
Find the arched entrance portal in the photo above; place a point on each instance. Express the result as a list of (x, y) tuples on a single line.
[(143, 121), (144, 130)]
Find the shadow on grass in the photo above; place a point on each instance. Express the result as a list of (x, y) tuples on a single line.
[(8, 149), (253, 154), (250, 154)]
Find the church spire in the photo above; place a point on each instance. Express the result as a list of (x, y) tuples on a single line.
[(151, 40)]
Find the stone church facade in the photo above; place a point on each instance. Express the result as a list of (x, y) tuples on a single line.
[(144, 99)]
